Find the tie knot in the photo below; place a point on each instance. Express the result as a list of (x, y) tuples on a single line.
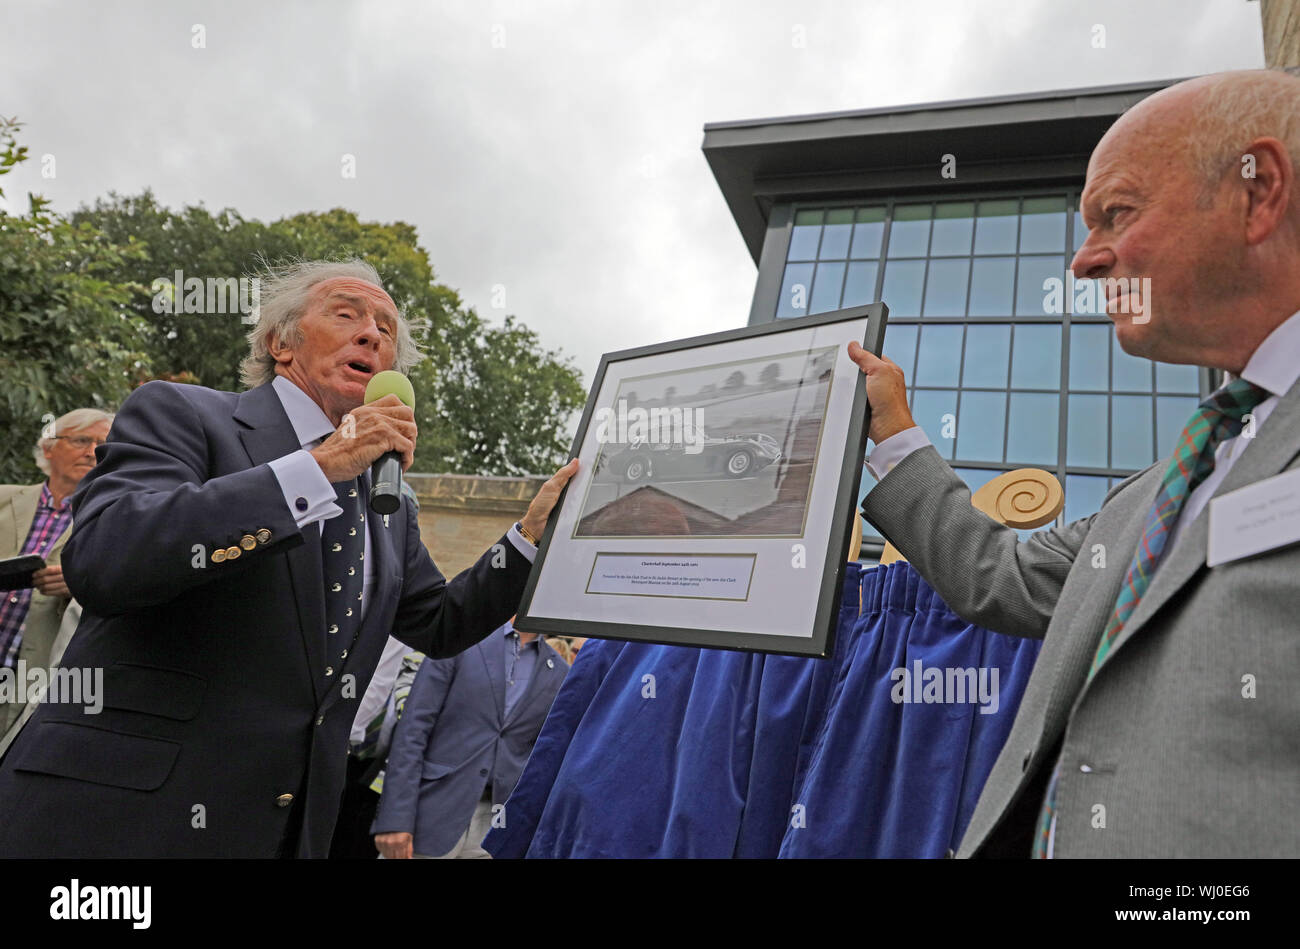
[(1235, 399)]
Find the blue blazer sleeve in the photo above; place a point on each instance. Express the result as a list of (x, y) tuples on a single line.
[(141, 511), (401, 795)]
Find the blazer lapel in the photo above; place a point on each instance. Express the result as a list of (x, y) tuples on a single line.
[(1276, 444), (22, 510), (541, 673), (268, 435), (493, 654)]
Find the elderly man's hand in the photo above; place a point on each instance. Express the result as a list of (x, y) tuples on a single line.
[(540, 509), (887, 393), (395, 846), (367, 432), (49, 580)]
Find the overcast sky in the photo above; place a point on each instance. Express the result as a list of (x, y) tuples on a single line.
[(548, 148)]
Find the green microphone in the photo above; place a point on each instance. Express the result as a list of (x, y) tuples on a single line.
[(386, 472)]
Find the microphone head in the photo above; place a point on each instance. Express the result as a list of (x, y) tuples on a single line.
[(390, 382)]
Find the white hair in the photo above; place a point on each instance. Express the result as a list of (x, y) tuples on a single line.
[(283, 296), (73, 421), (1237, 108)]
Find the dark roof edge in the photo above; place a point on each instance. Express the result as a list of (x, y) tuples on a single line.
[(949, 104)]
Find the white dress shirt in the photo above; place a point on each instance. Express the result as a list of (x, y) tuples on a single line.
[(1274, 365), (301, 477)]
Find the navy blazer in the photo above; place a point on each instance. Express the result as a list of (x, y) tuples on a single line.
[(454, 737), (226, 705)]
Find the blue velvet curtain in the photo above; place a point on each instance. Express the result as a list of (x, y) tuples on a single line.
[(668, 751)]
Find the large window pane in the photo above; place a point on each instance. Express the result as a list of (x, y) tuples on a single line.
[(1042, 225), (1036, 357), (910, 234), (1080, 230), (1089, 346), (868, 231), (1085, 441), (826, 287), (900, 346), (1083, 495), (902, 290), (945, 288), (988, 349), (995, 229), (860, 287), (1172, 414), (1130, 431), (929, 406), (1031, 298), (940, 355), (1172, 378), (795, 290), (992, 286), (836, 234), (953, 224), (1129, 373), (1032, 429), (981, 417), (975, 478), (805, 236)]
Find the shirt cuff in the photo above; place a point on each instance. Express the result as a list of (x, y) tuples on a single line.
[(894, 449), (521, 545), (309, 496)]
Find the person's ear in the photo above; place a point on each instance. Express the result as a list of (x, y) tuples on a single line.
[(1268, 175), (280, 352)]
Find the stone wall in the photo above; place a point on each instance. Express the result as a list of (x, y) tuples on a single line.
[(461, 516), (1281, 23)]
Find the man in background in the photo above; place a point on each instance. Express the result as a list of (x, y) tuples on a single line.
[(468, 728), (36, 519)]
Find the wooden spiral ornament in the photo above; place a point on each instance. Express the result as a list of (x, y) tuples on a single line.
[(1024, 498)]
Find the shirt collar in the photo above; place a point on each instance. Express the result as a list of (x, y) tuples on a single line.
[(1275, 363), (46, 500), (309, 422)]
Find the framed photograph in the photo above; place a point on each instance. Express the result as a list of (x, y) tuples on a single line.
[(716, 496)]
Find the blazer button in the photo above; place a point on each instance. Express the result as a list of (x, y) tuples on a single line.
[(329, 670), (284, 800), (344, 655), (482, 772), (320, 720), (219, 555), (232, 553), (248, 542), (263, 536)]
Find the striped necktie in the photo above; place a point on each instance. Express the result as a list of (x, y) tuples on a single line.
[(1217, 419)]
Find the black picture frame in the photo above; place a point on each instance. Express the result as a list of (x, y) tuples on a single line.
[(820, 639)]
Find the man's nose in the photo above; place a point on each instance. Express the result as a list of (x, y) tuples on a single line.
[(367, 332), (1091, 261)]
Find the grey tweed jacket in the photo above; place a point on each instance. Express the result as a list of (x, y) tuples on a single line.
[(1187, 741)]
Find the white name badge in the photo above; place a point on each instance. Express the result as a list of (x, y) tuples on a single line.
[(1255, 518)]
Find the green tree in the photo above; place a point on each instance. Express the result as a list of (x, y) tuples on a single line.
[(68, 338), (465, 425)]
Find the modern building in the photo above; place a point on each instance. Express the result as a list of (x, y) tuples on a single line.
[(962, 217)]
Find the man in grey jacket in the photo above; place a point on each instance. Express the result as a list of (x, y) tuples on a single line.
[(1163, 716)]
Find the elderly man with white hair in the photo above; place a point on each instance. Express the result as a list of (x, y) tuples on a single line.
[(1161, 717), (237, 596), (35, 519)]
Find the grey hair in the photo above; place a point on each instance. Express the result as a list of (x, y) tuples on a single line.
[(1237, 108), (283, 295), (73, 421)]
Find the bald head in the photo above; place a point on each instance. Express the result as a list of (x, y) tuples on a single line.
[(1209, 122), (1194, 191)]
